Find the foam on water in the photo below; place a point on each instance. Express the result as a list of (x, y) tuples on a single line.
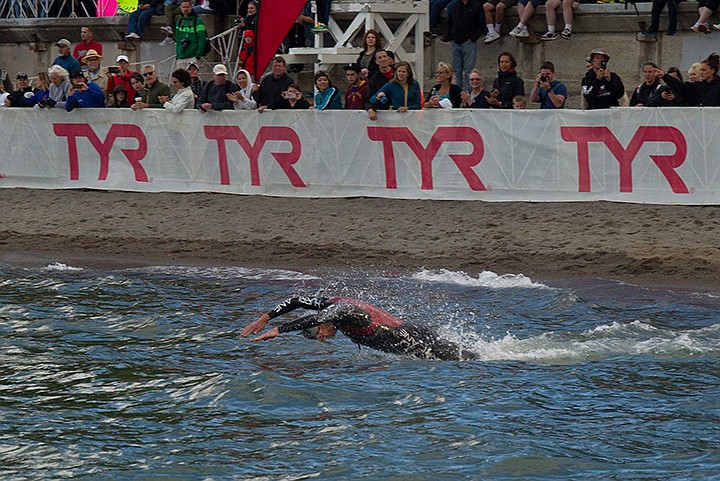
[(59, 266), (486, 279), (226, 273)]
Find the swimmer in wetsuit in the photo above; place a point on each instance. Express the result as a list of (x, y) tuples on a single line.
[(363, 323)]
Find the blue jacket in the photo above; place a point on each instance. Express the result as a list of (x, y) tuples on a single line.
[(69, 63), (93, 97), (396, 95), (328, 99)]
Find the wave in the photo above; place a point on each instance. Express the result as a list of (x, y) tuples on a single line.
[(225, 273), (59, 266), (484, 279), (633, 339)]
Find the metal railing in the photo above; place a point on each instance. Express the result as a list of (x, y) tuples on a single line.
[(48, 8)]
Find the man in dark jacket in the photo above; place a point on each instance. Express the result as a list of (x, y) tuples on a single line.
[(215, 94), (601, 88), (274, 84), (384, 61), (466, 24)]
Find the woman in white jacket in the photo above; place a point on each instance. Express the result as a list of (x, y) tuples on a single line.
[(243, 98), (184, 98)]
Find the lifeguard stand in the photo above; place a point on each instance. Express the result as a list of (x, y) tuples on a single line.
[(401, 23)]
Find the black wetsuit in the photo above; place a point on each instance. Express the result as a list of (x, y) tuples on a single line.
[(370, 326)]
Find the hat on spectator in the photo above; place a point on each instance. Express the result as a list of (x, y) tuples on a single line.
[(21, 75), (63, 42), (122, 58), (192, 64), (599, 51), (77, 74), (220, 69), (352, 66), (92, 54)]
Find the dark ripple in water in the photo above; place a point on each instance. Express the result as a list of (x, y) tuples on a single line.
[(138, 374)]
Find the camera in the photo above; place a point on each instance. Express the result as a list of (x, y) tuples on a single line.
[(114, 69), (184, 43), (48, 102), (603, 65), (288, 95), (543, 78)]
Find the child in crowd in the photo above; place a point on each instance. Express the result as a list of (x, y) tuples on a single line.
[(519, 102), (327, 97)]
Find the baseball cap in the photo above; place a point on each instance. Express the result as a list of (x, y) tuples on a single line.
[(63, 42), (353, 66), (192, 64), (220, 69), (122, 58)]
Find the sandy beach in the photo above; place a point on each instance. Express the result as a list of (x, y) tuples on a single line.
[(646, 244)]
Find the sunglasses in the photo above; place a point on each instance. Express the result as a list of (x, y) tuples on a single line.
[(147, 74), (439, 72), (475, 79)]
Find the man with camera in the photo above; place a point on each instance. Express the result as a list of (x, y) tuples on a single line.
[(119, 74), (549, 92), (601, 88), (190, 36), (83, 94)]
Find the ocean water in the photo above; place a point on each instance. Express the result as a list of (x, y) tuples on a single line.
[(112, 372)]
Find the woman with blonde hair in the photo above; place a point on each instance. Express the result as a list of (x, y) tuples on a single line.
[(446, 94), (402, 92), (694, 72)]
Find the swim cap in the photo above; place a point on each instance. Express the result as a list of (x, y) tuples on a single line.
[(311, 332)]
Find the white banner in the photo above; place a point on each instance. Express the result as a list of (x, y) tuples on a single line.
[(649, 155)]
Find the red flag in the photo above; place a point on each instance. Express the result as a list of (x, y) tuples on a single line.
[(274, 21)]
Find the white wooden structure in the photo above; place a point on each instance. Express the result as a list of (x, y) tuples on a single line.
[(408, 17)]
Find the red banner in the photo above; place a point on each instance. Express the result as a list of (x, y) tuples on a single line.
[(274, 21)]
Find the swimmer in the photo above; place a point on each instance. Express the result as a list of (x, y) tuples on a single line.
[(363, 323)]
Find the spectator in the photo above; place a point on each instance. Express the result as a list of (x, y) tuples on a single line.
[(385, 73), (327, 97), (215, 95), (357, 92), (249, 21), (569, 7), (138, 19), (402, 92), (323, 15), (526, 10), (64, 59), (183, 98), (297, 37), (120, 74), (119, 98), (694, 72), (665, 96), (171, 10), (243, 98), (643, 91), (190, 36), (705, 11), (549, 92), (3, 97), (154, 89), (246, 56), (290, 99), (465, 27), (477, 97), (58, 89), (95, 73), (88, 43), (507, 84), (41, 91), (518, 102), (272, 85), (601, 88), (706, 92), (436, 8), (83, 94), (657, 8), (371, 44), (196, 83), (17, 98), (494, 26), (137, 84), (365, 74), (445, 94)]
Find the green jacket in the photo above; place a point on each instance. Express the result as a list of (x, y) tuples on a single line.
[(190, 37)]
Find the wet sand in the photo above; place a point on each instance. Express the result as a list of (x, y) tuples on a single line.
[(646, 244)]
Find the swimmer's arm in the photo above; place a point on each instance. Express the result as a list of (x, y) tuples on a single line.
[(298, 324), (314, 303)]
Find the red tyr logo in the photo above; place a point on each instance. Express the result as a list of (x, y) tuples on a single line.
[(134, 156), (464, 162), (625, 156)]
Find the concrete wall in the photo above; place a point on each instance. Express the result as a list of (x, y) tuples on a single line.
[(28, 44)]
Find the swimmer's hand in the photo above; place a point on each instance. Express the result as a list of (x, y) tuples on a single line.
[(256, 326), (275, 332)]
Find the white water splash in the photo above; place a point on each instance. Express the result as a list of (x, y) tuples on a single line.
[(59, 266), (227, 273), (484, 279)]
